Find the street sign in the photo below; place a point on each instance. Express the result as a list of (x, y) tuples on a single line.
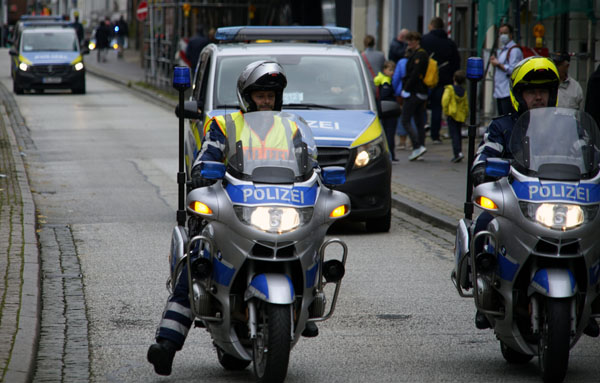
[(142, 11)]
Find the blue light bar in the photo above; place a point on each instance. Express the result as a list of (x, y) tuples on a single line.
[(282, 33), (475, 68), (181, 77)]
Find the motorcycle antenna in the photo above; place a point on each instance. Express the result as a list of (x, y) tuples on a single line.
[(181, 82), (474, 74)]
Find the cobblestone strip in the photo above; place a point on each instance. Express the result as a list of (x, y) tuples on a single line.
[(63, 354), (19, 257)]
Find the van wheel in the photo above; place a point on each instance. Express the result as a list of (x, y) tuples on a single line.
[(381, 224), (17, 89)]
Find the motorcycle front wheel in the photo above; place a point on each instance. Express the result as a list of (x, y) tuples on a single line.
[(271, 349), (553, 348)]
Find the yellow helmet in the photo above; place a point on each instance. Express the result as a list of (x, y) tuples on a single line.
[(533, 73)]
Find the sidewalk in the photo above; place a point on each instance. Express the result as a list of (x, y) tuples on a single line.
[(432, 189)]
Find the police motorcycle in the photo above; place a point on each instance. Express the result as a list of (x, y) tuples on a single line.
[(258, 266), (536, 279)]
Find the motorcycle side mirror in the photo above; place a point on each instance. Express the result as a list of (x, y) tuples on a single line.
[(13, 52), (190, 110), (390, 109), (212, 170), (497, 167), (333, 175)]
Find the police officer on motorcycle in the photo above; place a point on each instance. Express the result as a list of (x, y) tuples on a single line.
[(533, 84), (259, 88)]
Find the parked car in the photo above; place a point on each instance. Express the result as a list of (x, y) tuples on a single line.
[(328, 85), (48, 58)]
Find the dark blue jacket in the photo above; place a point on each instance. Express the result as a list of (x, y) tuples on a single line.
[(444, 51), (496, 138)]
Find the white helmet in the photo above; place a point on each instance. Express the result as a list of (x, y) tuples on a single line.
[(260, 75)]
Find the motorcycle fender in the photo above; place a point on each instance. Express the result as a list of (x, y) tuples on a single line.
[(553, 283), (272, 288)]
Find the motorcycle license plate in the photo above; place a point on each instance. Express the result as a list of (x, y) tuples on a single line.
[(52, 80)]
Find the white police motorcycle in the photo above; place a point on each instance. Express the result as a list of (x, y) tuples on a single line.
[(259, 266), (536, 280)]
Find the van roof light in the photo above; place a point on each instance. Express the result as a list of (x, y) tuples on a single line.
[(282, 33)]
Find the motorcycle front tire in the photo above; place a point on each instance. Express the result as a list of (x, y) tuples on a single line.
[(555, 339), (271, 350)]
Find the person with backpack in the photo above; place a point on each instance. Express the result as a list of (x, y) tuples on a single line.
[(504, 61), (414, 93), (373, 58), (456, 108), (445, 52)]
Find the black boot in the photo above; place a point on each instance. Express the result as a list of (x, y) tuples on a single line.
[(310, 330), (592, 329), (481, 321), (161, 355)]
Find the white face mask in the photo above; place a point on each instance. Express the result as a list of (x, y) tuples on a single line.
[(504, 39)]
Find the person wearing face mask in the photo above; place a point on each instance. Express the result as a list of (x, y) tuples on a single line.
[(504, 61)]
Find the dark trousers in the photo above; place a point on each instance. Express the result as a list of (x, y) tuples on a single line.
[(435, 101), (504, 106), (389, 127), (454, 129), (413, 108)]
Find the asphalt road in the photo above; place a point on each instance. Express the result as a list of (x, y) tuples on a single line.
[(102, 170)]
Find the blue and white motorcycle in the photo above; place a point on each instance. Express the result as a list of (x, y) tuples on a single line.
[(258, 266), (537, 278)]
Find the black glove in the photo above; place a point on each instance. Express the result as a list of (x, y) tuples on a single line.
[(197, 180), (478, 175)]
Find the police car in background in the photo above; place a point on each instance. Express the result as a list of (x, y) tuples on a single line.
[(47, 57), (328, 86)]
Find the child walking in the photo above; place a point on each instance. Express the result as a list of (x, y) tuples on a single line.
[(456, 109), (383, 82)]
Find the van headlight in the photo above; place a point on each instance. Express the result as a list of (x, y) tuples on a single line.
[(23, 67), (273, 219), (559, 216), (369, 152), (78, 66)]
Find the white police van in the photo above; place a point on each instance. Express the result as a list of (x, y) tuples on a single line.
[(328, 86)]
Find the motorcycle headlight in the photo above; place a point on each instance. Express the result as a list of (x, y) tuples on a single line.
[(23, 67), (369, 152), (78, 66), (559, 216), (273, 219)]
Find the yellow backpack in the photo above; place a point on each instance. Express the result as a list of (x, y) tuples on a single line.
[(432, 76)]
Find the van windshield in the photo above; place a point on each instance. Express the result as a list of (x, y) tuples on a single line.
[(49, 41), (329, 82)]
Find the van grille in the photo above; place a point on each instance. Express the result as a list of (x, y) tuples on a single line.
[(50, 70), (328, 156)]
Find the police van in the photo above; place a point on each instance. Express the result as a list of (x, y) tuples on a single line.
[(327, 84), (47, 57)]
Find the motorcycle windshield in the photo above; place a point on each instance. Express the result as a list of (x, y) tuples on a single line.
[(272, 147), (556, 144)]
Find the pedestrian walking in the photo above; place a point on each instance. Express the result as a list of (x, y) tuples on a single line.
[(456, 108), (383, 81), (398, 46), (504, 61), (195, 46), (122, 32), (102, 34), (444, 50), (373, 58), (78, 28), (570, 94), (414, 93)]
